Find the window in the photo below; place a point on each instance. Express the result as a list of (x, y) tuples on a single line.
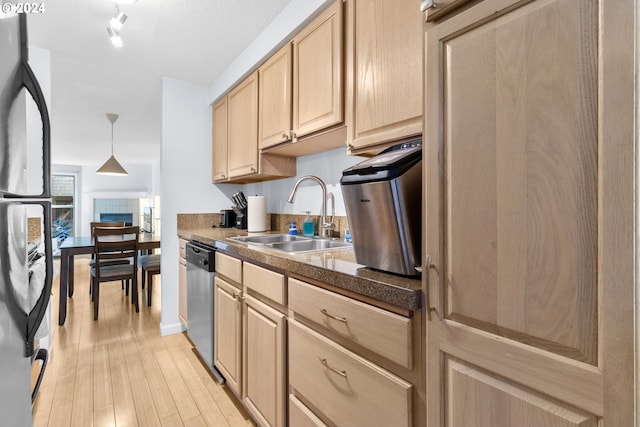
[(63, 189)]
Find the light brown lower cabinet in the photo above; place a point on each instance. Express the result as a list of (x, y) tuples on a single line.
[(264, 391), (346, 388), (227, 331), (299, 355)]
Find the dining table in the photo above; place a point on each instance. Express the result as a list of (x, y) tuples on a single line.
[(83, 245)]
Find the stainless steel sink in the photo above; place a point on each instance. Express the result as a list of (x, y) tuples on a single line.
[(292, 243), (309, 245), (271, 238)]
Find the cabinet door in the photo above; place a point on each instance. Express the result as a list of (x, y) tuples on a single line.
[(264, 391), (275, 98), (529, 216), (219, 141), (182, 292), (384, 79), (317, 73), (227, 343), (243, 128)]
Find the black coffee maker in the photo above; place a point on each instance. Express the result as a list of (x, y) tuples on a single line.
[(227, 218), (240, 209)]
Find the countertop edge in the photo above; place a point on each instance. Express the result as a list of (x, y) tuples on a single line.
[(378, 286)]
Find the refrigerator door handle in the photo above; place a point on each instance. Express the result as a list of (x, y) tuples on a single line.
[(31, 84), (43, 355), (39, 310)]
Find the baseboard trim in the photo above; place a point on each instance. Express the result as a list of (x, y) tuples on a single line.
[(173, 328)]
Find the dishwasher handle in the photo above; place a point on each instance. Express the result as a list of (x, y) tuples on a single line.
[(200, 256)]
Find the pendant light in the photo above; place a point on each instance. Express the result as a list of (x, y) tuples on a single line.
[(111, 166)]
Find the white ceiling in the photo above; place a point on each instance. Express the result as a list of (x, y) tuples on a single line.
[(192, 40)]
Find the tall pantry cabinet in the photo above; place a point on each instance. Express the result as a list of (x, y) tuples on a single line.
[(529, 213)]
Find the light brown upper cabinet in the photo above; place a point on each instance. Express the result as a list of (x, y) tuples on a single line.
[(309, 70), (384, 72), (529, 214), (318, 73), (236, 157), (275, 98), (243, 128), (219, 140)]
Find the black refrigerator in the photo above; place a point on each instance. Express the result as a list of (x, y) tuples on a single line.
[(26, 264)]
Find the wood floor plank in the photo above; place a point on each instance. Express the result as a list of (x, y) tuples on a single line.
[(61, 415), (65, 386), (159, 388), (146, 411), (181, 396), (102, 391), (195, 422), (172, 421), (125, 410), (82, 413), (211, 413), (104, 417)]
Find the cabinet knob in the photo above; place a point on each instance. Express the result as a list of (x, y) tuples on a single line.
[(253, 169), (285, 135)]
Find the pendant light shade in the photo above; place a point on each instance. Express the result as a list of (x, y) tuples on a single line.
[(112, 166)]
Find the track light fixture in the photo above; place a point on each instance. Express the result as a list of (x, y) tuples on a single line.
[(116, 40), (115, 25), (118, 20)]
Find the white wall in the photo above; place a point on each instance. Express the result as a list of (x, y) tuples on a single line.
[(186, 187)]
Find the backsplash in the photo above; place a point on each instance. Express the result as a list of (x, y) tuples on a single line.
[(279, 222)]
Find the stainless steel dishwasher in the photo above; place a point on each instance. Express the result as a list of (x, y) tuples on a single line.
[(200, 294)]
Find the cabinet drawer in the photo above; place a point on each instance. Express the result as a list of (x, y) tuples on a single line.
[(385, 333), (266, 282), (301, 416), (346, 388), (229, 267)]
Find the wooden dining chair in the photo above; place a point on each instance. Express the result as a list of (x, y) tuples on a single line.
[(105, 224), (115, 243), (150, 266)]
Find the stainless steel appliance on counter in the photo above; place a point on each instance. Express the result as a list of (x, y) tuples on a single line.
[(383, 199), (26, 268), (200, 293)]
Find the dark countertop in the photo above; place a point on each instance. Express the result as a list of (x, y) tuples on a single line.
[(336, 267)]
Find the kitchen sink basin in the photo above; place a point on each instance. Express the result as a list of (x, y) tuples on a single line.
[(309, 245), (292, 243), (271, 238)]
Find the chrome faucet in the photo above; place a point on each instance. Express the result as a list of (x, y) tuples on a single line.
[(326, 227)]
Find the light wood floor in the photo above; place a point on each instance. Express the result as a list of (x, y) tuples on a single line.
[(119, 371)]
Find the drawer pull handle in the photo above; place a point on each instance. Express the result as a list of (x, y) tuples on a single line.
[(339, 319), (326, 365)]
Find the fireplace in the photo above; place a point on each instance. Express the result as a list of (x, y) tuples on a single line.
[(117, 217)]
